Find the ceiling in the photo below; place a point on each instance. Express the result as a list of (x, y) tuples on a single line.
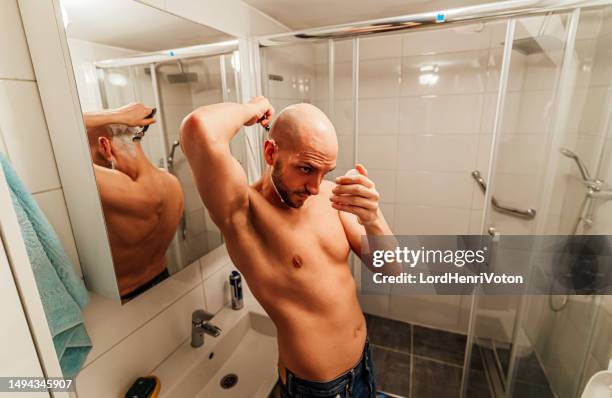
[(306, 14), (129, 24)]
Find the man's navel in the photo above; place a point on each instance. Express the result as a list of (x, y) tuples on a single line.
[(297, 261)]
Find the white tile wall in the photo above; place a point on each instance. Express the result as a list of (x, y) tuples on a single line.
[(447, 114), (425, 188), (458, 73), (25, 134), (379, 77), (385, 183), (377, 152), (23, 131), (16, 63), (389, 46), (378, 116), (452, 153), (425, 220), (216, 289)]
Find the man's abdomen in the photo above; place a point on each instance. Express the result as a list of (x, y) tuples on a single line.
[(321, 329)]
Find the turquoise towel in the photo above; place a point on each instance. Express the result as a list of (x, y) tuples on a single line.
[(62, 292)]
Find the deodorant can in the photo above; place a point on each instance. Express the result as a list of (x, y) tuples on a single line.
[(235, 280)]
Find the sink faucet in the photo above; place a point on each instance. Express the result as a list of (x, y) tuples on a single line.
[(200, 325)]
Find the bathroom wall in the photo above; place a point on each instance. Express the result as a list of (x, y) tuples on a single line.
[(23, 130)]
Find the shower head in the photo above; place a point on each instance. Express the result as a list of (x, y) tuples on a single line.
[(182, 76), (581, 166), (537, 45), (540, 35)]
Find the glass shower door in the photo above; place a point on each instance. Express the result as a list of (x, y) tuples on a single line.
[(554, 116), (510, 188), (571, 335)]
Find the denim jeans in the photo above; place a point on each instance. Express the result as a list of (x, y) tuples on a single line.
[(357, 382)]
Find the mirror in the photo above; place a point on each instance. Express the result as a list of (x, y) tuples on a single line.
[(132, 59)]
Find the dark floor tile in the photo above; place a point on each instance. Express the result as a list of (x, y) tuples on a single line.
[(478, 387), (504, 358), (530, 371), (432, 379), (438, 344), (389, 333), (526, 390), (476, 360), (392, 371)]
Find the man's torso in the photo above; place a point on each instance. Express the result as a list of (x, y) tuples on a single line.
[(295, 262)]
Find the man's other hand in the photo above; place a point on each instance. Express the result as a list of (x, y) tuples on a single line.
[(357, 194)]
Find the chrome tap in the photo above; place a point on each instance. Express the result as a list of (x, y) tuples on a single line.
[(200, 325)]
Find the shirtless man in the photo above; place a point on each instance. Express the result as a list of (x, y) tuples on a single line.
[(290, 234), (142, 204)]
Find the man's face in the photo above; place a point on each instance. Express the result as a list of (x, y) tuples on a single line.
[(298, 175)]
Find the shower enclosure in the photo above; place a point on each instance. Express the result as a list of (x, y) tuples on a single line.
[(483, 120), (177, 82)]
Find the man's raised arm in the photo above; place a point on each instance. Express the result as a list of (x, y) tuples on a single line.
[(134, 114), (205, 139)]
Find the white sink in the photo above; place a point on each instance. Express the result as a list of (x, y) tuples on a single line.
[(246, 347)]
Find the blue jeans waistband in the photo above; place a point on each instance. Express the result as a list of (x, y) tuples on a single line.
[(296, 386)]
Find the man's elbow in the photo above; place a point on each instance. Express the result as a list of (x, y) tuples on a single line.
[(194, 130)]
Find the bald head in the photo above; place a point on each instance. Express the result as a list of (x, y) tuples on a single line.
[(302, 149), (304, 126)]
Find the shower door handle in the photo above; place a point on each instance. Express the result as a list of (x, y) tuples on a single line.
[(528, 214)]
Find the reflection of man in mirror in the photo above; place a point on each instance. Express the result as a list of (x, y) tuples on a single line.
[(142, 204), (291, 234)]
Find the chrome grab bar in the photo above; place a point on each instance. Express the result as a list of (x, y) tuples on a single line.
[(528, 214)]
